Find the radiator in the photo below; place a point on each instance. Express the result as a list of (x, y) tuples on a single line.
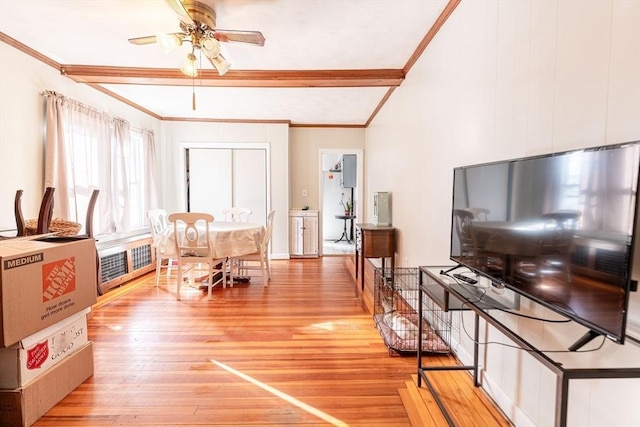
[(124, 260)]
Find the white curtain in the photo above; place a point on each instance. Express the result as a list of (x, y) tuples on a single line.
[(86, 149), (55, 173), (77, 158), (151, 196), (121, 174)]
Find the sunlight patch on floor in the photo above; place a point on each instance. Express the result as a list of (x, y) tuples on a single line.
[(328, 326), (310, 409), (330, 247)]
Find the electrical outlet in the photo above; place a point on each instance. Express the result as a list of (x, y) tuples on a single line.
[(304, 193)]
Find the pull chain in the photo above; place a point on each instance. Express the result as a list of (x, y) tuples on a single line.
[(193, 96)]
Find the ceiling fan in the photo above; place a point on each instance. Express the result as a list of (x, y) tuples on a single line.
[(198, 25)]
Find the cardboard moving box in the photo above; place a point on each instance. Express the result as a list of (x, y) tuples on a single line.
[(34, 355), (42, 283), (23, 406)]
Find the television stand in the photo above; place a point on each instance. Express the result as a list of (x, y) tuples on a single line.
[(450, 296)]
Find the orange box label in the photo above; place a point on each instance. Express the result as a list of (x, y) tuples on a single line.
[(58, 278)]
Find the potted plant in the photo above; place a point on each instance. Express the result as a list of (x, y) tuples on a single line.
[(347, 205)]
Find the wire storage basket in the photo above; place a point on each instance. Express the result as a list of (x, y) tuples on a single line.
[(396, 314)]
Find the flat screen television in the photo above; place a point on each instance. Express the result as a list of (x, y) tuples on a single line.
[(557, 228)]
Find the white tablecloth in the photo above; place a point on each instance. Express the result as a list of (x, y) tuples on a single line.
[(228, 239)]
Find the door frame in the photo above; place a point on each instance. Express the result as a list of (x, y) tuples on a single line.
[(359, 208)]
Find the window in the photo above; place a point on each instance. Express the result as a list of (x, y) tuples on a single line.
[(135, 158), (96, 151)]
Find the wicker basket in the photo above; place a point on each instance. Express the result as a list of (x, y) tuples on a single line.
[(59, 226)]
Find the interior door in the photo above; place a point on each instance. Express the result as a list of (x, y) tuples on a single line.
[(209, 180), (250, 182)]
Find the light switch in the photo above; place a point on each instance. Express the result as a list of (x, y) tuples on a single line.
[(304, 193)]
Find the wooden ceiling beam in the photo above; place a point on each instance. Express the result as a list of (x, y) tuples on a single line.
[(234, 78)]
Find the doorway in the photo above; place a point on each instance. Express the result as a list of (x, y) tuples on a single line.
[(338, 234)]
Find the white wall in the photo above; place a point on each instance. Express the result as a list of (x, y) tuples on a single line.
[(22, 80), (506, 79), (306, 145)]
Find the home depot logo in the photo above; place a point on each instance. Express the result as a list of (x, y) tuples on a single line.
[(58, 278)]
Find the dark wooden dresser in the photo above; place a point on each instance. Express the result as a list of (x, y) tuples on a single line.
[(374, 241)]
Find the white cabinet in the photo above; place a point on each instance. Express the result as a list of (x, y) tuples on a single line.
[(303, 233)]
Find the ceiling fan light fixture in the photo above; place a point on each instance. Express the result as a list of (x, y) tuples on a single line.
[(221, 64), (189, 67), (211, 46), (168, 42)]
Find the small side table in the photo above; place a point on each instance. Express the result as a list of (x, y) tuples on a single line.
[(345, 236), (374, 241)]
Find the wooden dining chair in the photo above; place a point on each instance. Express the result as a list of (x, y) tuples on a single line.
[(192, 241), (159, 224), (17, 209), (46, 211), (89, 231), (258, 260), (237, 214), (91, 207)]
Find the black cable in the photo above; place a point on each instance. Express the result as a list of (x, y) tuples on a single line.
[(491, 306), (479, 299), (520, 348)]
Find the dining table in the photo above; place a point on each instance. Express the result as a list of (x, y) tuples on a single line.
[(228, 239)]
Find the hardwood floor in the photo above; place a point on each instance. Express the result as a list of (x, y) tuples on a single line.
[(301, 351)]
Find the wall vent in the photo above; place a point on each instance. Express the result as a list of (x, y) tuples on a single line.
[(125, 260), (113, 266), (141, 256)]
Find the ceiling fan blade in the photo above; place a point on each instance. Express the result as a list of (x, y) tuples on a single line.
[(253, 37), (143, 40), (179, 8), (156, 39)]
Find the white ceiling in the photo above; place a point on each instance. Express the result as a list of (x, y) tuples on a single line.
[(300, 35)]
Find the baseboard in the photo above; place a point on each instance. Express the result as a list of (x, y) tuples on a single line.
[(505, 403), (280, 256)]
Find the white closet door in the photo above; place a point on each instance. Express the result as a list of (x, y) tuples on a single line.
[(210, 186), (249, 182), (221, 178)]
